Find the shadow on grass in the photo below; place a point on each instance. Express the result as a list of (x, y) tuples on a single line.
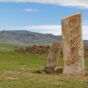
[(46, 72)]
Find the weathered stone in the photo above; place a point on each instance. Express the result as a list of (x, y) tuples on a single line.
[(58, 69), (73, 52), (53, 56)]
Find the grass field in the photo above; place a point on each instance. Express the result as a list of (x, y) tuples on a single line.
[(19, 71)]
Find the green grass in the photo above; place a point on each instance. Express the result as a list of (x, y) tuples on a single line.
[(19, 71), (8, 47)]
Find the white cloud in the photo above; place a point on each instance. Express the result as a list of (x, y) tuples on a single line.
[(85, 32), (76, 3), (53, 29), (30, 10)]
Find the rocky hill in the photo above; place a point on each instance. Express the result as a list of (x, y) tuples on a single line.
[(27, 38)]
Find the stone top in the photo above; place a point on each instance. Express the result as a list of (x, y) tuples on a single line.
[(71, 16)]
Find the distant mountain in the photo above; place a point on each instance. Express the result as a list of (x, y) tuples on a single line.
[(28, 38), (85, 42)]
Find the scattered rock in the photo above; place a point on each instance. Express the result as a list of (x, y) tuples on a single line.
[(58, 69), (38, 50), (43, 73)]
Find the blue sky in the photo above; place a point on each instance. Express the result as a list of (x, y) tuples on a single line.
[(42, 16)]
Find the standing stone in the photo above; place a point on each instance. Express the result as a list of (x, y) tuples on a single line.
[(73, 51), (53, 56)]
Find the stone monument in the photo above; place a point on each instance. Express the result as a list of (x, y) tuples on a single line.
[(53, 56), (73, 51)]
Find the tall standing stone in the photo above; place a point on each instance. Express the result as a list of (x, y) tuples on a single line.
[(53, 56), (73, 51)]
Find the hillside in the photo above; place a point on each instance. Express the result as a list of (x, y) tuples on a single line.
[(28, 38), (27, 71)]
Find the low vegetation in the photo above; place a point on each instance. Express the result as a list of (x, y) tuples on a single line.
[(21, 71), (44, 50)]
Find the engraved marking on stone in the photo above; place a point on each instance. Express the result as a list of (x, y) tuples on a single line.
[(73, 45)]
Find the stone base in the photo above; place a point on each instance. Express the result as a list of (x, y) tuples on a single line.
[(72, 75)]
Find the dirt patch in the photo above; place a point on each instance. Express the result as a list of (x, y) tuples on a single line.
[(11, 78)]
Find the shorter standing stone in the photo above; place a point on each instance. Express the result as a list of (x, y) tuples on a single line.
[(53, 56)]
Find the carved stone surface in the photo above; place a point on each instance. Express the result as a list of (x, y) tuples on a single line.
[(73, 52), (53, 56)]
